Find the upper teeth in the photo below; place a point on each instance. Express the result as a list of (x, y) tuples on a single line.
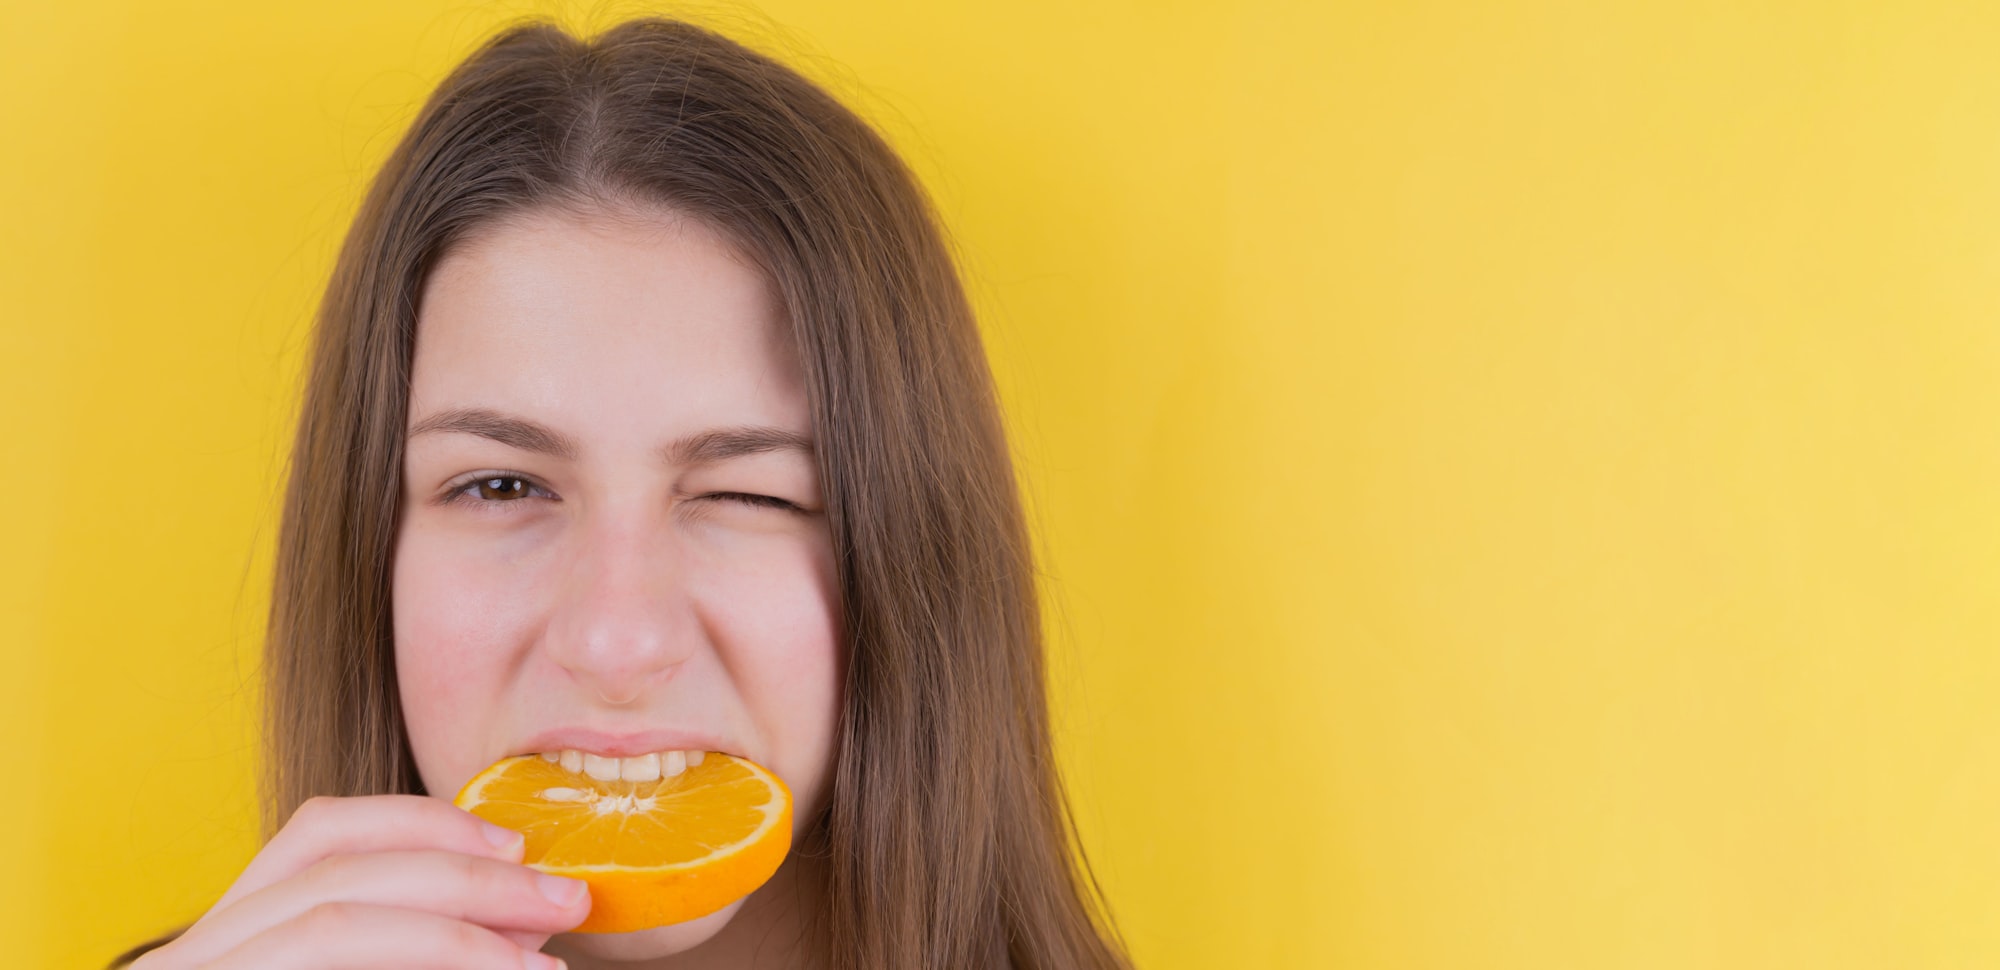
[(645, 767)]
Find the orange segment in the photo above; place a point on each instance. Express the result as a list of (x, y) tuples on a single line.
[(653, 852)]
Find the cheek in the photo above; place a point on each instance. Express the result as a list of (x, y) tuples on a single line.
[(454, 622), (778, 614)]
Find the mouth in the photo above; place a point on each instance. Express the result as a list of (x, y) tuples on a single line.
[(644, 756), (652, 766)]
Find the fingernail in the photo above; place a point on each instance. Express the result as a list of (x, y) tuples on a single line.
[(503, 838), (530, 960), (560, 891)]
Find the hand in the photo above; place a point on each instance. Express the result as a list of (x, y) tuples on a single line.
[(382, 880)]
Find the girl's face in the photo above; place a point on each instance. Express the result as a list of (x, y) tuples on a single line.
[(612, 537)]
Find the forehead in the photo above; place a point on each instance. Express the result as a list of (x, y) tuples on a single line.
[(603, 325)]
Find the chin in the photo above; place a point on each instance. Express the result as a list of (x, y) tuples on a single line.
[(648, 944)]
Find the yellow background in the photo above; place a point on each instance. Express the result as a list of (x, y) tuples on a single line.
[(1518, 480)]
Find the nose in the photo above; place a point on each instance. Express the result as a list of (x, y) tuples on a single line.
[(624, 622)]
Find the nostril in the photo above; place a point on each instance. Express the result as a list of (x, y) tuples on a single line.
[(619, 693)]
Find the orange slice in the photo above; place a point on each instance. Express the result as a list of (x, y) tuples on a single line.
[(653, 852)]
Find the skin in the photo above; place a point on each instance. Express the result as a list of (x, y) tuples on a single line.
[(611, 590)]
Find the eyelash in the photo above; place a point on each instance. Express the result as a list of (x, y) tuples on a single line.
[(457, 494)]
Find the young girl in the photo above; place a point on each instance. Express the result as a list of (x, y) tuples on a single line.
[(647, 414)]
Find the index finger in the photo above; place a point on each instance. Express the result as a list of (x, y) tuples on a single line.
[(326, 826)]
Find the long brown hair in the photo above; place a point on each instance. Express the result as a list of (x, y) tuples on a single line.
[(948, 839)]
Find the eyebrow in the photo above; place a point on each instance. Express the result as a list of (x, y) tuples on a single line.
[(700, 448)]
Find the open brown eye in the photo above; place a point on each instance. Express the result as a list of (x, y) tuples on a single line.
[(502, 489), (492, 491)]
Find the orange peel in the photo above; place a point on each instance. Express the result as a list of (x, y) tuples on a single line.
[(653, 852)]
